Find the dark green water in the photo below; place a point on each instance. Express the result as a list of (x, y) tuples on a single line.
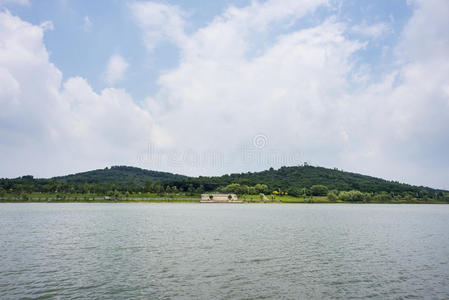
[(223, 251)]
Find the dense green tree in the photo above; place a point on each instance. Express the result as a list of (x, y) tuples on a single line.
[(158, 188), (319, 190), (383, 197), (190, 190), (232, 188), (296, 181), (332, 196), (200, 189), (148, 186), (252, 190), (261, 188), (352, 196)]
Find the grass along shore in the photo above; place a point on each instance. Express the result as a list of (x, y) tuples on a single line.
[(151, 197)]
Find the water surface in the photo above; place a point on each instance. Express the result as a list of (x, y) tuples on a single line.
[(225, 251)]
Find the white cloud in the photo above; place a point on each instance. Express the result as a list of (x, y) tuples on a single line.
[(47, 25), (116, 69), (297, 91), (406, 116), (219, 97), (52, 127), (371, 31), (87, 23), (160, 22)]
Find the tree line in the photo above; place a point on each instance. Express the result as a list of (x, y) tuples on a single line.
[(299, 181)]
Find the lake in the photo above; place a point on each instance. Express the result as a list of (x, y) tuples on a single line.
[(223, 251)]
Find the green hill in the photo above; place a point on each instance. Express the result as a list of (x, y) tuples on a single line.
[(295, 181), (121, 178), (119, 175), (297, 178)]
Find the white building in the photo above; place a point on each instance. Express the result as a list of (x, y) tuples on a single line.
[(219, 198)]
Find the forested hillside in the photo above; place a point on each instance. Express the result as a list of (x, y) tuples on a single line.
[(119, 175), (299, 177), (121, 178), (296, 181), (299, 180)]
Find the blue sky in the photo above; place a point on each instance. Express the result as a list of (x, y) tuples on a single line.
[(108, 27), (214, 87)]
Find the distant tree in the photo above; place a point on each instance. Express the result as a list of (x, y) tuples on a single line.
[(295, 192), (116, 195), (332, 197), (261, 188), (382, 197), (319, 190), (446, 197), (86, 188), (244, 181), (252, 190), (232, 188), (200, 189), (157, 188), (190, 190), (148, 186), (243, 190), (351, 196)]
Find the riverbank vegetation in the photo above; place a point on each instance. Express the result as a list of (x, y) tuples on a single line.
[(300, 184)]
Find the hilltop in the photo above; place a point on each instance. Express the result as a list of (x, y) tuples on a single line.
[(119, 175), (299, 177), (298, 181)]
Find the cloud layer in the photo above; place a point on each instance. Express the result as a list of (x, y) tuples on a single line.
[(115, 70), (51, 127), (251, 91)]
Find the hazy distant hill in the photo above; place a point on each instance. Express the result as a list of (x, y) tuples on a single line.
[(119, 175), (299, 177), (294, 180)]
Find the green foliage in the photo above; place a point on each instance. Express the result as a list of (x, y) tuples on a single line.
[(299, 181), (190, 190), (293, 191), (319, 190), (446, 197), (236, 188), (332, 196), (261, 188), (304, 177), (382, 197), (351, 196)]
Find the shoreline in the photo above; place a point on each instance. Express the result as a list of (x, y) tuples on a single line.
[(199, 202)]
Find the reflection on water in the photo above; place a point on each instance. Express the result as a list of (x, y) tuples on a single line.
[(119, 251)]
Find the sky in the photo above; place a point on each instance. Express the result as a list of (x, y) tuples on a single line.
[(218, 87)]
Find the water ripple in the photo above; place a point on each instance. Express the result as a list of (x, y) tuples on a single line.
[(179, 251)]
